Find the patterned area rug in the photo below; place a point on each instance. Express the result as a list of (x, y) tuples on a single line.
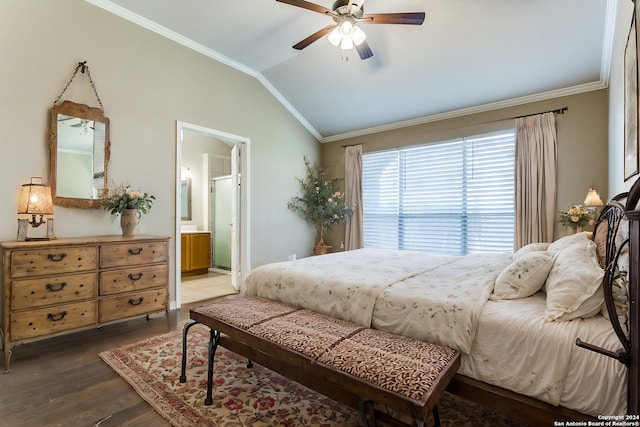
[(245, 397)]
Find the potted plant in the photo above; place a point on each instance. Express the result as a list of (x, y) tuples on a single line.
[(576, 217), (320, 203), (130, 204)]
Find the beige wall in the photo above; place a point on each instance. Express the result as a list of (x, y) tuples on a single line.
[(146, 83), (582, 143)]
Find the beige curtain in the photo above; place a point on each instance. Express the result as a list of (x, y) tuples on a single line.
[(536, 159), (354, 233)]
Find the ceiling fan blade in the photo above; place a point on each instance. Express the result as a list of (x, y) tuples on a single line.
[(409, 18), (313, 37), (364, 50), (309, 6)]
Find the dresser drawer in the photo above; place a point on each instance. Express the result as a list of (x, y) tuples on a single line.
[(54, 260), (31, 293), (134, 253), (45, 321), (132, 304), (133, 279)]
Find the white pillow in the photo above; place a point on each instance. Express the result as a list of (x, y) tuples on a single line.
[(531, 247), (567, 241), (524, 276), (574, 283)]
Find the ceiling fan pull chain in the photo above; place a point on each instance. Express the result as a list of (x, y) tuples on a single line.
[(82, 67)]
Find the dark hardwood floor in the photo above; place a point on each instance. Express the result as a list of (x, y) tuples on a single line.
[(62, 381)]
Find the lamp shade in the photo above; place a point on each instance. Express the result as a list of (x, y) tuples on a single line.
[(335, 36), (35, 199), (593, 198), (358, 36)]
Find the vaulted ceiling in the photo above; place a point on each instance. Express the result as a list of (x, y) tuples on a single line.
[(467, 56)]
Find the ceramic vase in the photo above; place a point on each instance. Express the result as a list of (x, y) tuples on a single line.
[(129, 218)]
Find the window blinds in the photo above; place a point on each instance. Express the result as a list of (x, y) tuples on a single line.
[(453, 197)]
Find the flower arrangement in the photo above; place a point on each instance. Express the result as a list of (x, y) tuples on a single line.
[(123, 197), (320, 202), (576, 216)]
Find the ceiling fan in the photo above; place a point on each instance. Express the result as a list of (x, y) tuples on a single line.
[(347, 14)]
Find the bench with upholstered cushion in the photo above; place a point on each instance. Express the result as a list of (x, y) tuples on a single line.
[(342, 360)]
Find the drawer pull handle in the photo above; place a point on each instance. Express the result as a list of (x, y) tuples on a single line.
[(56, 317), (56, 258), (136, 302), (136, 251), (53, 287), (135, 277)]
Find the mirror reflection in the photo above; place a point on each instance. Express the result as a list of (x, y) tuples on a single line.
[(185, 199), (79, 149)]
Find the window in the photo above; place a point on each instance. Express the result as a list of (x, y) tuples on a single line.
[(453, 197)]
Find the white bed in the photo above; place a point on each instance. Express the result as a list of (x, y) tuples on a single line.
[(514, 317), (445, 300)]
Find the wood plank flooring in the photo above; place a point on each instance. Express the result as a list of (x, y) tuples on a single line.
[(62, 381)]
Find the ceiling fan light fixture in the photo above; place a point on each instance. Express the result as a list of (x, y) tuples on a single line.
[(346, 28), (358, 35), (346, 43), (347, 14), (335, 36)]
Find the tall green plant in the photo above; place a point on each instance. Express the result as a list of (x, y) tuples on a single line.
[(320, 203)]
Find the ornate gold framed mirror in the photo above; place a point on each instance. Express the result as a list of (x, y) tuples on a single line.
[(79, 151)]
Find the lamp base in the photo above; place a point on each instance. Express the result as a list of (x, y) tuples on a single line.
[(37, 239)]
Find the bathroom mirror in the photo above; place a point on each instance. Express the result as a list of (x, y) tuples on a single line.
[(79, 155), (185, 199)]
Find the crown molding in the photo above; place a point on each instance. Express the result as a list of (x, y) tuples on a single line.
[(471, 110), (171, 35), (190, 44), (267, 84), (608, 40)]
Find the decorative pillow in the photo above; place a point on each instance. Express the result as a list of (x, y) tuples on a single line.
[(567, 241), (524, 277), (531, 247), (600, 239), (574, 283)]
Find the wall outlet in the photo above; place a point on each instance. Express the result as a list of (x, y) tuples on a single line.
[(292, 257), (342, 245)]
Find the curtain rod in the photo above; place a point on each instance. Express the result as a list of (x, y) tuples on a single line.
[(557, 111)]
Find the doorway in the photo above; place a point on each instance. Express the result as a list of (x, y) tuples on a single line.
[(199, 150)]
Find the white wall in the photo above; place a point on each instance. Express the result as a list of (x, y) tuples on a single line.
[(616, 101), (194, 145), (146, 83)]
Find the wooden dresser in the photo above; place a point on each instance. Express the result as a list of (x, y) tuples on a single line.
[(64, 285)]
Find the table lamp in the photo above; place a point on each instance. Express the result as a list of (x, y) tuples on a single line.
[(35, 199)]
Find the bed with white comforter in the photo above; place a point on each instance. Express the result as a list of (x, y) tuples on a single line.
[(514, 317)]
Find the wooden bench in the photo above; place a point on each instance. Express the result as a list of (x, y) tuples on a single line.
[(349, 363)]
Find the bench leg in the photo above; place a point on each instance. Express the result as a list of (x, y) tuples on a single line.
[(365, 406), (213, 346), (185, 331), (436, 416)]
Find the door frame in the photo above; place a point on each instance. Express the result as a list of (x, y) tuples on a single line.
[(244, 205)]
